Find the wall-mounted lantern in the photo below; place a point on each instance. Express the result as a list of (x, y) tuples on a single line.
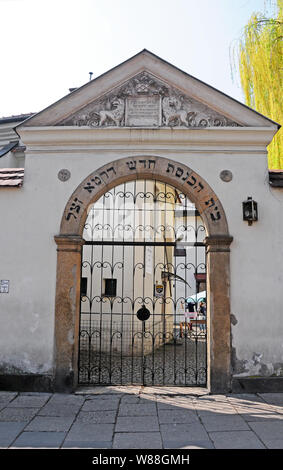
[(250, 212)]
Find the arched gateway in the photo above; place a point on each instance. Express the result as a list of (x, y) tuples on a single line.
[(124, 328)]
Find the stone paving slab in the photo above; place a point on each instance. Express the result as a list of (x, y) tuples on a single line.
[(188, 391), (9, 432), (135, 400), (225, 423), (236, 440), (175, 403), (66, 400), (185, 444), (96, 417), (251, 407), (272, 398), (138, 424), (265, 429), (26, 401), (86, 433), (51, 409), (255, 417), (129, 409), (206, 414), (5, 398), (182, 434), (274, 443), (39, 440), (4, 394), (50, 423), (137, 440), (247, 398), (18, 414), (107, 397), (100, 405), (88, 444), (109, 390), (177, 416)]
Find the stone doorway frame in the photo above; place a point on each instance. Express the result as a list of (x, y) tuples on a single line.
[(69, 251)]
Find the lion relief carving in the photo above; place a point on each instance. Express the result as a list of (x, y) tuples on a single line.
[(173, 112), (111, 114), (115, 114)]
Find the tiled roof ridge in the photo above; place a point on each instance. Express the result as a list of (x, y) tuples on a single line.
[(11, 177), (16, 117)]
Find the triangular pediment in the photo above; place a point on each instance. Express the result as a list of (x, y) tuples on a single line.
[(146, 91)]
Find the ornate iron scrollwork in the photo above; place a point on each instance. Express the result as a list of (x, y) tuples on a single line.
[(143, 313), (139, 334)]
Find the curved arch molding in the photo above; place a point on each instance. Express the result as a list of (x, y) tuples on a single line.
[(126, 169), (69, 243)]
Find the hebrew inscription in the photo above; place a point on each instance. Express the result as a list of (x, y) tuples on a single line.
[(75, 208), (146, 164), (133, 166), (185, 176)]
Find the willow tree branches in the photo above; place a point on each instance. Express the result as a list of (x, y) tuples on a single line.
[(260, 63)]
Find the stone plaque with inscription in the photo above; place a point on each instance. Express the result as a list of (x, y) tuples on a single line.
[(143, 111)]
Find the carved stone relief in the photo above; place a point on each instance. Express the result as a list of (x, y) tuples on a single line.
[(145, 101)]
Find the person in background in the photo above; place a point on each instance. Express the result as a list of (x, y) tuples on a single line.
[(189, 314), (202, 314)]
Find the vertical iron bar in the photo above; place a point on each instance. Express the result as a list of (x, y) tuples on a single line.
[(90, 304), (188, 335), (122, 286), (206, 324), (197, 285), (164, 259), (80, 322), (101, 283), (154, 224), (111, 301), (143, 283), (133, 291)]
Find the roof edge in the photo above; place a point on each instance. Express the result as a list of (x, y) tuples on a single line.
[(147, 52)]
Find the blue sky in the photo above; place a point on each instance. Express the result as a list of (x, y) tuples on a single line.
[(50, 46)]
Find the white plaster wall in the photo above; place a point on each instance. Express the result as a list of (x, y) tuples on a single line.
[(256, 257), (30, 217)]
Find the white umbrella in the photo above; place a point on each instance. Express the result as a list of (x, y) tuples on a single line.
[(196, 297)]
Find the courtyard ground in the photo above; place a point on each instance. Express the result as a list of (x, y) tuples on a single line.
[(141, 418)]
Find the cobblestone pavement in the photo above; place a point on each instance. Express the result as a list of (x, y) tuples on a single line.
[(141, 418), (165, 365)]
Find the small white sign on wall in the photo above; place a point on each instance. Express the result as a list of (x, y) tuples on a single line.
[(148, 259), (4, 286)]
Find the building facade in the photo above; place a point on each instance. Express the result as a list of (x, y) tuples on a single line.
[(120, 204)]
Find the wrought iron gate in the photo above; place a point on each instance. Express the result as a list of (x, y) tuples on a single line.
[(143, 291)]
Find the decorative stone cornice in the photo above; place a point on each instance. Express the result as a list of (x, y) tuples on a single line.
[(84, 138)]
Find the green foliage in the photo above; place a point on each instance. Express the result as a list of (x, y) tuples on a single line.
[(260, 66)]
